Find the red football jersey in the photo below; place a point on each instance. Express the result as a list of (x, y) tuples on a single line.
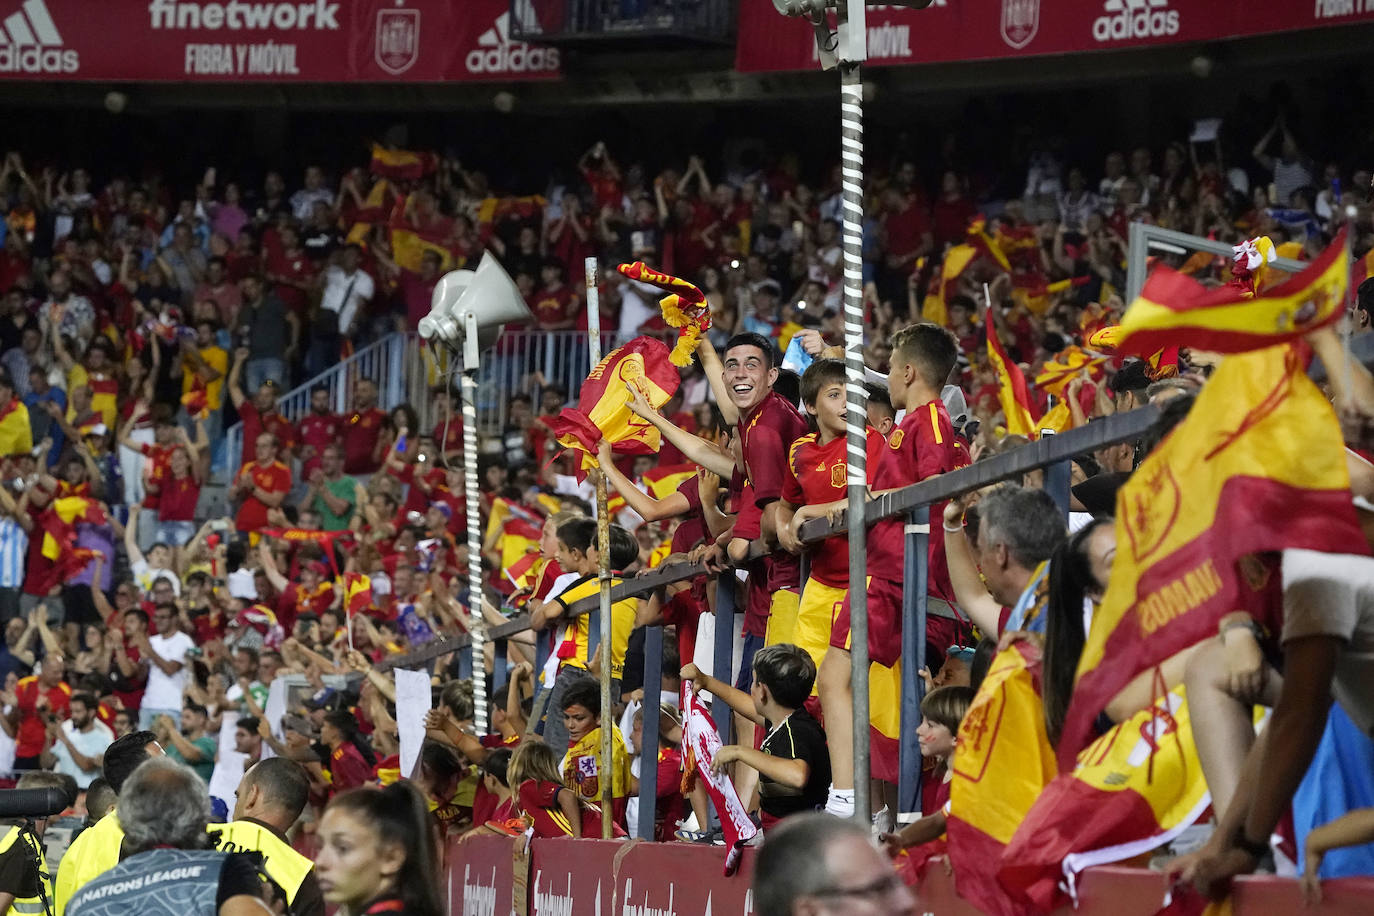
[(361, 430), (816, 474), (922, 446), (275, 478)]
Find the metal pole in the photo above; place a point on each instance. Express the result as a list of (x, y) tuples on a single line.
[(648, 740), (603, 547), (852, 188), (478, 625), (914, 595), (723, 660)]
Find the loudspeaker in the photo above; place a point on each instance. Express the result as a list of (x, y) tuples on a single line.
[(487, 294)]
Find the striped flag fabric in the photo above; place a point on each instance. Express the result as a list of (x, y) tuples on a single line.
[(700, 742), (1175, 310), (1012, 393), (603, 410)]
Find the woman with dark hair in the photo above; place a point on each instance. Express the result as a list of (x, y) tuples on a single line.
[(1079, 569), (378, 853), (350, 758)]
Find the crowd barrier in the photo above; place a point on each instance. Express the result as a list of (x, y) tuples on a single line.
[(496, 876)]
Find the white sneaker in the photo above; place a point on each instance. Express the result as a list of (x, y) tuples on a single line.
[(840, 803)]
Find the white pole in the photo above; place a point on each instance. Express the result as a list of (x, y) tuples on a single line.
[(478, 629), (603, 546), (852, 39)]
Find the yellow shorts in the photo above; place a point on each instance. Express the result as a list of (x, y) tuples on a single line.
[(820, 603), (782, 617)]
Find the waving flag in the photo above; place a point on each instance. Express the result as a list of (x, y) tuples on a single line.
[(1174, 309), (519, 543), (1011, 388), (664, 480), (357, 593), (685, 308), (603, 410), (699, 746), (1001, 765), (1133, 790), (1067, 365), (985, 244), (401, 163), (1258, 465), (935, 308)]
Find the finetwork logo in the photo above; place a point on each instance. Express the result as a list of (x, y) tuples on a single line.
[(1127, 19), (237, 16), (497, 53), (30, 43)]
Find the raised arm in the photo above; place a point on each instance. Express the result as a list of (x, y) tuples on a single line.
[(714, 370), (269, 567), (649, 508), (696, 449), (969, 592)]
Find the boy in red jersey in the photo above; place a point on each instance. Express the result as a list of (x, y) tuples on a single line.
[(816, 486), (921, 447)]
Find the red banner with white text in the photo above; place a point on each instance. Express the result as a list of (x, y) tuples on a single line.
[(310, 41), (959, 30)]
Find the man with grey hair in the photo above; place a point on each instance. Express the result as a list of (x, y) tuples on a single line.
[(164, 809), (816, 864), (1017, 528)]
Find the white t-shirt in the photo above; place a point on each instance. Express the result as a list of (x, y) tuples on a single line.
[(145, 576), (1332, 594), (164, 690), (90, 743), (344, 295)]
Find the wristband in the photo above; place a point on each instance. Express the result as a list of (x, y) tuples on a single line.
[(957, 529), (1253, 849), (1247, 624)]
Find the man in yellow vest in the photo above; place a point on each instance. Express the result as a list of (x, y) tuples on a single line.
[(271, 797), (25, 883), (96, 850)]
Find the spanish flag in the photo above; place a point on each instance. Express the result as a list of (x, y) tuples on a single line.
[(195, 402), (1002, 763), (603, 410), (664, 480), (401, 163), (502, 510), (1362, 268), (1175, 310), (684, 308), (985, 244), (935, 308), (357, 593), (1067, 365), (519, 539), (16, 435), (1133, 790), (408, 249), (57, 523), (519, 573), (1258, 465), (374, 211), (1011, 388)]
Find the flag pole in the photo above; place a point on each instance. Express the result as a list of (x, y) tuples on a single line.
[(603, 547), (477, 631), (852, 39)]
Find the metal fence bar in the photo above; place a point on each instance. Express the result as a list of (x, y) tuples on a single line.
[(914, 588), (723, 663), (1144, 237), (1084, 440), (648, 735)]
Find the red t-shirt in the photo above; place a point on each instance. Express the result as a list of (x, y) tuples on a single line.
[(361, 431), (255, 424), (553, 307), (347, 769), (816, 474), (449, 434), (418, 498), (274, 478), (159, 467), (766, 437), (177, 498), (296, 266), (922, 446), (416, 293), (904, 230), (33, 729), (319, 431), (296, 601), (39, 575)]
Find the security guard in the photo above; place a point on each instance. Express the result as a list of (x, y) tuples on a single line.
[(271, 797)]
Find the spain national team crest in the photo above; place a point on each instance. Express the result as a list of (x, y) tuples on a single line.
[(398, 40), (1151, 512), (1020, 22)]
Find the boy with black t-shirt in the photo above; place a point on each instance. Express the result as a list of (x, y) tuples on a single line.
[(793, 763)]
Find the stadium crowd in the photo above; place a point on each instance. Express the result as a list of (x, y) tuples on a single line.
[(140, 321)]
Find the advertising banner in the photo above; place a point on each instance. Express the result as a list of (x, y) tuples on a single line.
[(959, 30), (333, 41)]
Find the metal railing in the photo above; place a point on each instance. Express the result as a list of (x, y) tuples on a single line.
[(1052, 453), (384, 362)]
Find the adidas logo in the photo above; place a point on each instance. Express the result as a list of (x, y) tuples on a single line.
[(497, 53), (30, 43), (1126, 19)]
